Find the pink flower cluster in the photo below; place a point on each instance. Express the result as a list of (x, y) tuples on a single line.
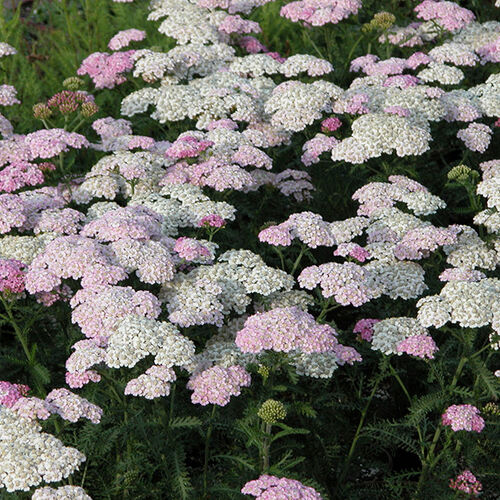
[(365, 328), (10, 393), (11, 276), (216, 385), (74, 257), (191, 249), (330, 124), (421, 346), (490, 53), (236, 24), (49, 143), (19, 174), (463, 418), (106, 70), (476, 137), (274, 488), (212, 220), (62, 402), (352, 250), (467, 483), (449, 15), (320, 12), (123, 38), (285, 329), (187, 146)]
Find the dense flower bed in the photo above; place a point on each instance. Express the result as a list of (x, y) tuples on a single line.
[(231, 269)]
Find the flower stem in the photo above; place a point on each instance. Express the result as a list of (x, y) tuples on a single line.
[(207, 451)]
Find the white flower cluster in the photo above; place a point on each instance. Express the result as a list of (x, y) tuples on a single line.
[(123, 173), (376, 133), (61, 493), (469, 304), (29, 456), (208, 293), (137, 337), (293, 105), (183, 205), (388, 333)]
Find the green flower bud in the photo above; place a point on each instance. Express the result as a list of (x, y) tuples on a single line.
[(492, 409), (73, 83), (459, 173), (41, 111), (383, 20), (263, 371), (272, 411), (89, 109)]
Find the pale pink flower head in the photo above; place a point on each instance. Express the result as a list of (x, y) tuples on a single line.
[(467, 483), (11, 276), (330, 124), (191, 249), (285, 329), (225, 123), (78, 379), (251, 45), (236, 24), (217, 384), (320, 12), (106, 70), (154, 383), (420, 346), (365, 328), (123, 38), (463, 418), (8, 95), (352, 250), (187, 147), (275, 488), (10, 393), (447, 14), (49, 143), (212, 220)]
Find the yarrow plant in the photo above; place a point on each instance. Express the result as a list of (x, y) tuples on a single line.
[(249, 248)]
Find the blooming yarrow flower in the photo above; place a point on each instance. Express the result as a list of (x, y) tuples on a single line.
[(421, 346), (285, 329), (320, 12), (49, 143), (8, 95), (449, 15), (365, 328), (7, 50), (191, 249), (11, 276), (330, 124), (154, 383), (10, 393), (476, 137), (187, 147), (272, 487), (467, 483), (463, 417), (123, 38), (212, 220), (106, 70), (217, 384), (34, 456), (61, 493)]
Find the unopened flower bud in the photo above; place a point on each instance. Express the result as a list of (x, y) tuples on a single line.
[(41, 111), (272, 411), (73, 83), (459, 173), (89, 109)]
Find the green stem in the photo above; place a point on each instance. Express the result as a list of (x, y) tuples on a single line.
[(298, 259), (266, 446), (207, 451), (21, 336), (357, 434), (429, 461)]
